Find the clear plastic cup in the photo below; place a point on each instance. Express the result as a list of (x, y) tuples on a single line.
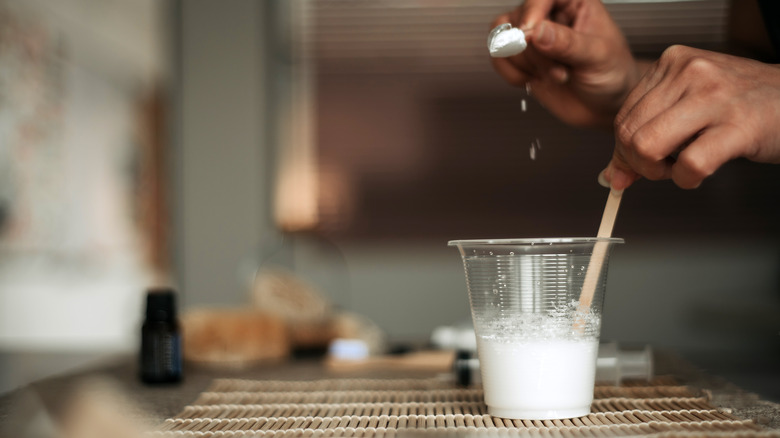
[(537, 340)]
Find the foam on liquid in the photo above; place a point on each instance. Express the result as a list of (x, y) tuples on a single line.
[(538, 379)]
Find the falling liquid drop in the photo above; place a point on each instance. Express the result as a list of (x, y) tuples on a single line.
[(536, 145)]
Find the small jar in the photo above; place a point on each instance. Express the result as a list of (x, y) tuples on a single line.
[(161, 358)]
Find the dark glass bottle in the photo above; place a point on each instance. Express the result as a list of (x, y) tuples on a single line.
[(161, 359)]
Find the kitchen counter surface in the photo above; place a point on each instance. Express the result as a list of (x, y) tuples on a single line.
[(156, 403)]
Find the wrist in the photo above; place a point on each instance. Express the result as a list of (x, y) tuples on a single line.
[(641, 66), (633, 75)]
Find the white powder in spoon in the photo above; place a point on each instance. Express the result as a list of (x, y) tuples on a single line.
[(505, 40)]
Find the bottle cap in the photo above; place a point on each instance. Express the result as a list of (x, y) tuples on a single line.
[(161, 305)]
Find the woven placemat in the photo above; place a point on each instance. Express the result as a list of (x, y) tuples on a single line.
[(402, 407)]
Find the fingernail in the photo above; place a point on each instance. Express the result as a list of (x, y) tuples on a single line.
[(543, 36), (620, 179), (603, 179)]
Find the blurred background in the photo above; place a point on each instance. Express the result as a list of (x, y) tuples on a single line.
[(190, 143)]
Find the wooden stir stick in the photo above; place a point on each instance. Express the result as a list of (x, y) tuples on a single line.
[(597, 259)]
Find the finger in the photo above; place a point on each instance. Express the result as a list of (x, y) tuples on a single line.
[(509, 71), (654, 75), (706, 154), (562, 17), (564, 45), (654, 128), (532, 12), (618, 174), (672, 127), (537, 65), (566, 11), (528, 65), (501, 19)]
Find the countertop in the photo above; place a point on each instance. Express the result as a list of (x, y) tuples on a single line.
[(156, 403)]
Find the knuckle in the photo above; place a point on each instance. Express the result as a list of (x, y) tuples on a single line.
[(645, 145), (674, 52), (698, 67), (619, 119), (623, 132)]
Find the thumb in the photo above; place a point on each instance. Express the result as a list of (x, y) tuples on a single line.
[(617, 175), (563, 44)]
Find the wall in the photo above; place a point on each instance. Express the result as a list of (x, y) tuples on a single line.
[(221, 158), (694, 295), (659, 290), (73, 75)]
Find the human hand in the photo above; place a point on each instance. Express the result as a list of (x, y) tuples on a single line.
[(704, 107), (578, 63)]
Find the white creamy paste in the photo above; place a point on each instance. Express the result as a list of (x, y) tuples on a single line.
[(505, 40), (538, 380)]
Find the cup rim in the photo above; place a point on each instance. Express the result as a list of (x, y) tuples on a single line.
[(530, 241)]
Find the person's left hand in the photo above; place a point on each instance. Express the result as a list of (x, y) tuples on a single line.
[(704, 107)]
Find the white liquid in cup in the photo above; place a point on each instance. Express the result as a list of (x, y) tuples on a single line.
[(538, 379)]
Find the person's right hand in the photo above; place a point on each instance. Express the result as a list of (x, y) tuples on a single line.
[(577, 63)]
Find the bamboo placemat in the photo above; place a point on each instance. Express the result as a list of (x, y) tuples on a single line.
[(402, 407)]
